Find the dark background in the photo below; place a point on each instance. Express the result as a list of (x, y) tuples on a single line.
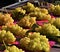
[(7, 2)]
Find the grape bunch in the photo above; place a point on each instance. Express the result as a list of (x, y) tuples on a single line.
[(7, 36), (40, 15), (18, 13), (35, 42), (57, 23), (13, 49), (27, 21), (43, 10), (15, 29), (5, 18), (29, 7), (48, 29), (55, 9)]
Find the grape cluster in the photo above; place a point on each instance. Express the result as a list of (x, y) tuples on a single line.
[(40, 15), (48, 29), (57, 23), (13, 49), (55, 9), (7, 36), (18, 13), (27, 21), (29, 7), (35, 42), (5, 18), (15, 29)]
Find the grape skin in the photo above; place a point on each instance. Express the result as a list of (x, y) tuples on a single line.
[(15, 29), (13, 49), (35, 42), (7, 36)]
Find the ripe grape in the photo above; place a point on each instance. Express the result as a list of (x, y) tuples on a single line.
[(7, 36), (15, 29), (35, 42), (13, 49), (5, 18), (27, 21)]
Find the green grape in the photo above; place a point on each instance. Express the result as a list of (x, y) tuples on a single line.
[(18, 13), (52, 20), (15, 29), (45, 11), (13, 49), (40, 15), (34, 35), (57, 23), (48, 29), (29, 7), (7, 36), (35, 42), (57, 10), (5, 18), (51, 8), (27, 21)]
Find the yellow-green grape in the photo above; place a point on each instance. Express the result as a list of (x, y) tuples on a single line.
[(5, 18), (27, 21), (51, 8), (48, 29), (29, 7), (37, 9), (45, 11), (15, 29), (35, 42), (18, 13), (13, 49), (34, 35), (52, 20), (19, 9), (7, 36), (57, 10), (40, 15), (57, 23)]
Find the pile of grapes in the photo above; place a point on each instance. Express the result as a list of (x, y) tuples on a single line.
[(28, 28)]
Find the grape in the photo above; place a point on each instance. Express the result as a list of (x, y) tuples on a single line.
[(52, 20), (48, 29), (13, 49), (5, 18), (35, 42), (18, 13), (51, 8), (15, 29), (29, 7), (40, 15), (7, 36), (45, 11), (57, 23), (27, 21), (55, 9)]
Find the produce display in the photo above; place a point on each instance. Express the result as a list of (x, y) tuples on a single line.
[(29, 28), (35, 42)]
